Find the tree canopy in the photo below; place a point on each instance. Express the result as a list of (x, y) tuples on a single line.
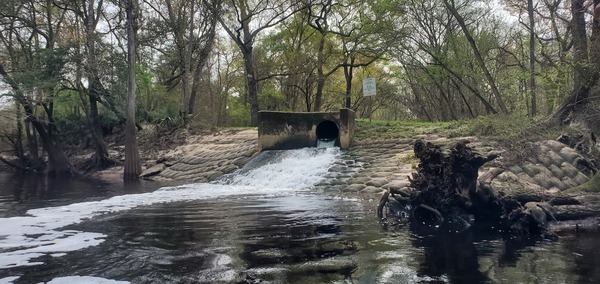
[(211, 63)]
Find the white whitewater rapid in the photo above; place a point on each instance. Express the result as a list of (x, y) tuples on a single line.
[(40, 232)]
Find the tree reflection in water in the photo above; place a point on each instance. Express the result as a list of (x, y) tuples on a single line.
[(586, 256), (452, 254)]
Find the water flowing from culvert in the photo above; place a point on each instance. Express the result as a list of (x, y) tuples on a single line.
[(289, 169), (325, 143)]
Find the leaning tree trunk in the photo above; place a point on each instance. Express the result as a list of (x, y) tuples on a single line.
[(490, 80), (58, 163), (100, 159)]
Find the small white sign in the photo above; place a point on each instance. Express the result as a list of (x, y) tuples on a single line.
[(369, 88)]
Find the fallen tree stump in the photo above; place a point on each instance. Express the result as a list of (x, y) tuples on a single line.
[(445, 193)]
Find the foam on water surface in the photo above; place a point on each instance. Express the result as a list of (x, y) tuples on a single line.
[(84, 279), (25, 238)]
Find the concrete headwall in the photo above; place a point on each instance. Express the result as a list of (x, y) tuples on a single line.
[(291, 130)]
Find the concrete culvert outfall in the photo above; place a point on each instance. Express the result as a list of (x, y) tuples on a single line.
[(278, 130), (327, 131)]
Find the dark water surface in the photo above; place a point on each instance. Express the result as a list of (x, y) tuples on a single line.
[(291, 237), (21, 192)]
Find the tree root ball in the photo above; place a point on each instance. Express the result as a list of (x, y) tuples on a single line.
[(446, 193)]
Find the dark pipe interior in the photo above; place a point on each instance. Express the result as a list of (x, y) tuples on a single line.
[(327, 130)]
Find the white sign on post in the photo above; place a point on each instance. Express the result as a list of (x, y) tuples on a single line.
[(369, 88)]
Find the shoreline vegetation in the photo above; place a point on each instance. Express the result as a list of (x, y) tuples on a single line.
[(75, 75), (507, 131)]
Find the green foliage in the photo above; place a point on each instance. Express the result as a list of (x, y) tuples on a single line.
[(45, 69), (67, 104), (167, 115), (270, 99), (7, 127), (427, 69), (239, 112), (73, 129), (114, 72), (154, 103)]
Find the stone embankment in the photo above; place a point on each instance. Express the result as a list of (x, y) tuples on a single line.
[(371, 166), (206, 158), (375, 165)]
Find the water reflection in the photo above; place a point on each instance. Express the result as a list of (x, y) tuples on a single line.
[(583, 248), (476, 256), (454, 255), (296, 238), (20, 192), (289, 239)]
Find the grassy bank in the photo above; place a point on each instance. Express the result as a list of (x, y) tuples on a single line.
[(395, 129), (497, 127)]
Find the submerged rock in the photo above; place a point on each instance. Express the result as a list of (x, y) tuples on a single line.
[(341, 265)]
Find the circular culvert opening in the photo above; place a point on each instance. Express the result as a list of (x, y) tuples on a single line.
[(327, 130)]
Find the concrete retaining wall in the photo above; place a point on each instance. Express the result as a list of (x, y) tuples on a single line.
[(290, 130)]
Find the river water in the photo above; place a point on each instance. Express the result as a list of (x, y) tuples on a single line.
[(267, 223)]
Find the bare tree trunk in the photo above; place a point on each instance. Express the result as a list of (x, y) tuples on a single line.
[(32, 143), (580, 46), (464, 99), (19, 152), (595, 43), (320, 75), (252, 84), (488, 107), (348, 74), (100, 159), (461, 22), (251, 18), (585, 72), (133, 166), (245, 42), (418, 99), (202, 58), (187, 76), (194, 92), (532, 87)]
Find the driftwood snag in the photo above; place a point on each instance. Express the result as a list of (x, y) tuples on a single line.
[(445, 193)]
